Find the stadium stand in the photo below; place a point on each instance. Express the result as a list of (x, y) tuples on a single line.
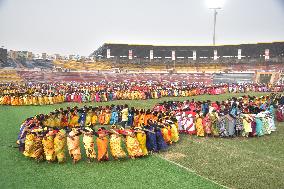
[(9, 76), (82, 65), (233, 77), (230, 66), (27, 64)]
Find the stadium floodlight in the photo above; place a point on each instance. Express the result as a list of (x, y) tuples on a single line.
[(215, 5)]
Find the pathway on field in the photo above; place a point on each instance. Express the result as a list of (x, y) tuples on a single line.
[(191, 171)]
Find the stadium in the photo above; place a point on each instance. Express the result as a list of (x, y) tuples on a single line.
[(139, 115)]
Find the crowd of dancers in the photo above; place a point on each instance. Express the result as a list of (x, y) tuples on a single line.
[(54, 93), (45, 137)]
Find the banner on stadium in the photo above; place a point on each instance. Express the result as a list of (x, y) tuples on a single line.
[(173, 55), (108, 53), (130, 55), (215, 55), (151, 54), (194, 55), (239, 54), (266, 54)]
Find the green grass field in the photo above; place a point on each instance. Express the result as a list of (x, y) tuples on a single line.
[(192, 163)]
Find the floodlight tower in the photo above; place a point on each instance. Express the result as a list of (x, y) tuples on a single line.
[(215, 9)]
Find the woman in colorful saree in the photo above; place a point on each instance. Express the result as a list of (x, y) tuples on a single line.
[(102, 143), (199, 125), (48, 146), (161, 144), (166, 134), (29, 144), (151, 138), (38, 152), (89, 144), (141, 137), (246, 125), (115, 144), (132, 144), (213, 116), (259, 125), (73, 144), (206, 122), (59, 145), (174, 131)]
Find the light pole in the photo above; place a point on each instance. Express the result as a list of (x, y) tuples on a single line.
[(215, 20)]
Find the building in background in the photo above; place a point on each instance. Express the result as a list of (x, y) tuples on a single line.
[(72, 57), (3, 55), (13, 54), (30, 56), (44, 56), (57, 57)]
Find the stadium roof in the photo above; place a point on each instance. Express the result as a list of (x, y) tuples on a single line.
[(143, 50), (189, 45)]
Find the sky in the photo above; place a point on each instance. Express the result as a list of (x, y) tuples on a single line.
[(81, 26)]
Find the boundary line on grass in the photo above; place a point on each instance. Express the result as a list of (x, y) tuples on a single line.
[(192, 171)]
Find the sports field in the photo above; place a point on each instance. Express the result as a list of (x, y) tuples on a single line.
[(192, 163)]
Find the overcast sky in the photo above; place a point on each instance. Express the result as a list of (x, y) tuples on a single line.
[(81, 26)]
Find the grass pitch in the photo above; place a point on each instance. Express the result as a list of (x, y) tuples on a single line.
[(192, 163)]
